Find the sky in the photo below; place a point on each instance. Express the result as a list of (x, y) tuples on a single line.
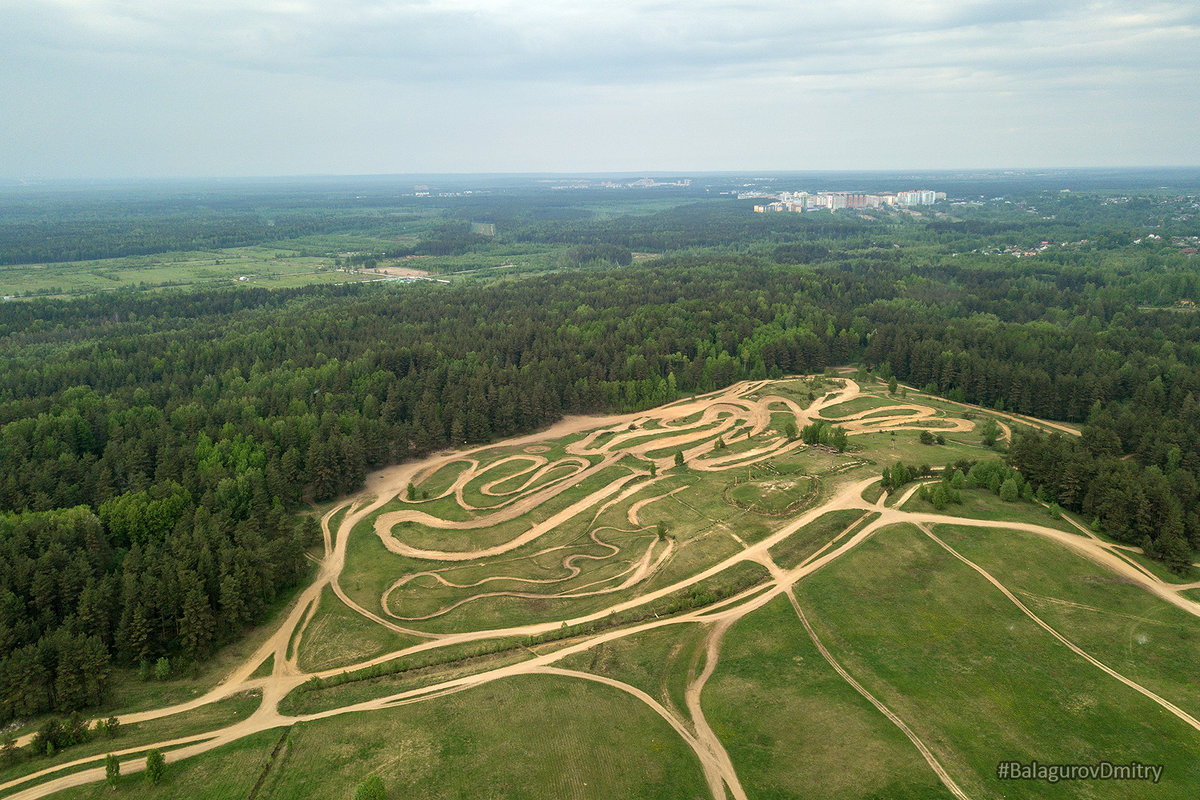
[(213, 88)]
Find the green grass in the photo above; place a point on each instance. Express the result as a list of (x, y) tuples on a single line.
[(424, 596), (982, 504), (657, 661), (794, 728), (1123, 625), (422, 669), (475, 497), (440, 480), (264, 265), (906, 446), (873, 492), (812, 537), (227, 772), (207, 718), (370, 567), (772, 494), (977, 680), (338, 636), (465, 540), (492, 741), (265, 668), (336, 520), (854, 406), (796, 390)]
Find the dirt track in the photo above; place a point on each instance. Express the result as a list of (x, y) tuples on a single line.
[(716, 415)]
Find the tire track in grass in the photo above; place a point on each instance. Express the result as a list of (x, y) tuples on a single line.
[(936, 765), (1168, 705)]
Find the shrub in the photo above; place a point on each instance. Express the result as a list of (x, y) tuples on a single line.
[(370, 789), (156, 765)]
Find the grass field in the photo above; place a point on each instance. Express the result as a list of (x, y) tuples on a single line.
[(812, 537), (207, 718), (982, 504), (772, 494), (338, 637), (228, 772), (490, 742), (978, 680), (306, 700), (278, 265), (794, 728), (485, 742), (1124, 626), (657, 661), (858, 404)]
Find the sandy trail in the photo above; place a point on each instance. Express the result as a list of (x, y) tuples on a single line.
[(707, 738), (699, 437)]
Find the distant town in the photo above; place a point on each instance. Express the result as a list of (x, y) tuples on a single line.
[(800, 202)]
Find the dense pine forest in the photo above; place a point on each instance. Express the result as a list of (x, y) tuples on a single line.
[(159, 450)]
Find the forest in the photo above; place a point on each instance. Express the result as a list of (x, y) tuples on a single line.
[(159, 450)]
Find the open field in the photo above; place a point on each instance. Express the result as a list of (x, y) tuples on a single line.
[(605, 745), (793, 725), (762, 620), (1136, 634), (277, 265), (920, 630)]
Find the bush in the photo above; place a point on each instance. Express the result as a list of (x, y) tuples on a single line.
[(112, 770), (10, 754), (370, 789), (156, 765), (162, 669)]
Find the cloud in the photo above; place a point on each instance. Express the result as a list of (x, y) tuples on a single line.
[(262, 86), (614, 41)]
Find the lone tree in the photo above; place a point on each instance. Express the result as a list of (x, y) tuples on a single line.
[(679, 458), (112, 770), (990, 432), (1009, 490), (892, 385), (370, 789), (156, 765)]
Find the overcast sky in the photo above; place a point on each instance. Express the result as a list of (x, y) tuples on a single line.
[(132, 88)]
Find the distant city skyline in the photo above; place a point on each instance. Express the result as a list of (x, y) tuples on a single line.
[(131, 89)]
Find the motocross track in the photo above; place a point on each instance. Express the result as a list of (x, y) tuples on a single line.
[(697, 428)]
